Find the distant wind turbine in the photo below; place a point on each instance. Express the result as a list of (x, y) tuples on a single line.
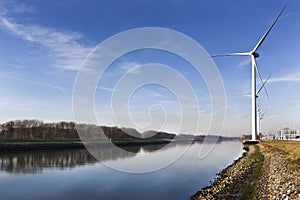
[(260, 116), (253, 54)]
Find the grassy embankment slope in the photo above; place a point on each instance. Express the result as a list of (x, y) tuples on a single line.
[(290, 148), (280, 177)]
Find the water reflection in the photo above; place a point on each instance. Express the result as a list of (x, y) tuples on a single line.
[(20, 178), (36, 161)]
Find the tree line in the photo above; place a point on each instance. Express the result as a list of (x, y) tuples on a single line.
[(37, 129)]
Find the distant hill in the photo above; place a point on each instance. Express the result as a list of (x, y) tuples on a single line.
[(132, 132), (156, 134)]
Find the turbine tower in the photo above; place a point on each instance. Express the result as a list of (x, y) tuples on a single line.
[(253, 54), (261, 117)]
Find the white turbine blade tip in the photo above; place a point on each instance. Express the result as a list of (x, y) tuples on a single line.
[(268, 31)]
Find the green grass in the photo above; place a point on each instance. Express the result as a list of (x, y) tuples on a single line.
[(289, 148), (250, 189)]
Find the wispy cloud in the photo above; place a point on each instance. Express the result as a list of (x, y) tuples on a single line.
[(5, 75), (244, 63), (106, 89), (15, 7), (46, 85), (131, 67), (245, 94), (287, 108), (22, 8), (64, 47), (294, 77), (124, 67), (157, 94), (16, 66)]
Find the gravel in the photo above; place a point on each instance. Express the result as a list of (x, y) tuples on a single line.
[(278, 180)]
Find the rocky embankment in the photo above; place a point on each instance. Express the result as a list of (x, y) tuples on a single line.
[(279, 179), (261, 173), (232, 180)]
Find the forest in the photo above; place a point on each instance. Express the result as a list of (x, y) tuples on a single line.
[(37, 129)]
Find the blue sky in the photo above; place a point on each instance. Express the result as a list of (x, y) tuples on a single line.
[(43, 44)]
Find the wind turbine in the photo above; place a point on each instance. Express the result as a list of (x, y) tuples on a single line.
[(253, 54), (260, 116)]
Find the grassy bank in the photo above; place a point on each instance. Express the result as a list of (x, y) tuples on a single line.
[(257, 159), (291, 149), (280, 177)]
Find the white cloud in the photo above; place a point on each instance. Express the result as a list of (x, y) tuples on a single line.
[(47, 85), (294, 77), (22, 8), (15, 7), (287, 108), (244, 63), (16, 66), (5, 75), (157, 94), (243, 95), (124, 67), (64, 47), (106, 89), (131, 67)]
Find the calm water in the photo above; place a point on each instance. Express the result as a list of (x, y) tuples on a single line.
[(75, 174)]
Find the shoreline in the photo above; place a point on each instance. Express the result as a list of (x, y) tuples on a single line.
[(263, 172), (230, 181), (28, 146), (19, 145)]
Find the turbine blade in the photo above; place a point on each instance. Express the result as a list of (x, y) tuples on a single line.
[(260, 77), (268, 31), (264, 113), (231, 54), (263, 85)]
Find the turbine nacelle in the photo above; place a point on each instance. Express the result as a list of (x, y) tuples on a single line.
[(256, 55)]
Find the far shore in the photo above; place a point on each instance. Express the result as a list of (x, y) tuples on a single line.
[(48, 144), (19, 135)]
